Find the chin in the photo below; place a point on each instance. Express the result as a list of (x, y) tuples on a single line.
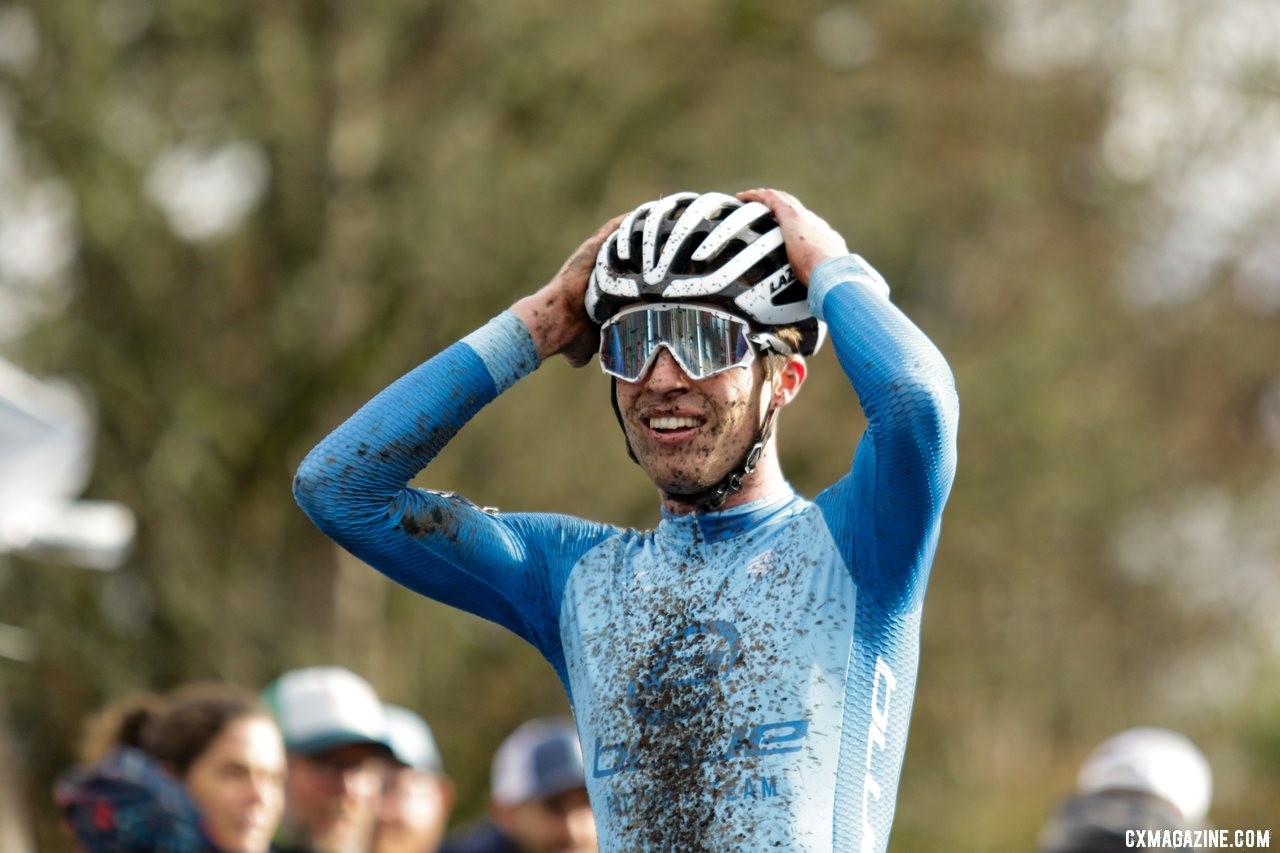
[(257, 841), (680, 482), (689, 468)]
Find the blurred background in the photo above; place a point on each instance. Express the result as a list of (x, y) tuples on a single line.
[(223, 226)]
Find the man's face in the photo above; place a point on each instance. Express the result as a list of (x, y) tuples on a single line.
[(412, 811), (559, 824), (688, 434), (331, 798)]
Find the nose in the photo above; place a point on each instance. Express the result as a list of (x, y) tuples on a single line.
[(666, 374), (355, 780), (390, 806)]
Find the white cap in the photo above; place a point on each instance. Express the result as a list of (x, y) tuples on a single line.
[(1160, 762), (540, 759), (412, 743), (323, 707)]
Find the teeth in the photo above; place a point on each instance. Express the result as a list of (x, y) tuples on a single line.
[(672, 423)]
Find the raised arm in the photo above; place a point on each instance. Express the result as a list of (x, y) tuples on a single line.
[(886, 513), (555, 316), (354, 483)]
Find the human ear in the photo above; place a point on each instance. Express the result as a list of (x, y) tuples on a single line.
[(787, 381)]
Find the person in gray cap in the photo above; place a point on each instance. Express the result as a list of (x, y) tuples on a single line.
[(335, 732), (538, 796), (417, 796)]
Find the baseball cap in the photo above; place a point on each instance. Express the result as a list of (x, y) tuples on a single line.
[(540, 759), (412, 743), (1152, 760), (323, 707)]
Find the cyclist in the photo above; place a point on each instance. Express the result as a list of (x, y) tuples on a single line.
[(742, 675)]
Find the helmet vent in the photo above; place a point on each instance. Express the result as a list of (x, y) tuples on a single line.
[(683, 263), (727, 253), (764, 267)]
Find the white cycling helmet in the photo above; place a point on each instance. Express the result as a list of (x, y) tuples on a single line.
[(703, 248), (1157, 761)]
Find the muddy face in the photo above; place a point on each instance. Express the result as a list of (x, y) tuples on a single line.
[(688, 434)]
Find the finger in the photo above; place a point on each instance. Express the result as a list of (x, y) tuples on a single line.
[(585, 255), (785, 201), (780, 202), (603, 232), (790, 199), (763, 195), (596, 240)]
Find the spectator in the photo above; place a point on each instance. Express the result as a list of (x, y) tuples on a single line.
[(417, 796), (335, 732), (538, 795), (1140, 779), (199, 770), (127, 803)]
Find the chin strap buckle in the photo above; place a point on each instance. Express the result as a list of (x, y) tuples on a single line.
[(733, 482)]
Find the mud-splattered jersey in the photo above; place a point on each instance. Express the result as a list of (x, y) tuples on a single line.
[(741, 680)]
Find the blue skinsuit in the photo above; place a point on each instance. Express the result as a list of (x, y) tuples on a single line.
[(741, 680)]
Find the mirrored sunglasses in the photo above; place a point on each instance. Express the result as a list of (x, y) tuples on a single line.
[(703, 341)]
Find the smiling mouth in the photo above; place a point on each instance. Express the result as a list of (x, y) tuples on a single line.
[(673, 423), (672, 429)]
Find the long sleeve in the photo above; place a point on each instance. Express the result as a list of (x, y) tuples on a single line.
[(884, 516), (887, 512), (509, 568)]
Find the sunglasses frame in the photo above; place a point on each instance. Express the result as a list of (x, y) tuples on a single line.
[(755, 340)]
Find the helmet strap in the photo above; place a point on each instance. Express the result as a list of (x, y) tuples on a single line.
[(617, 413), (712, 498)]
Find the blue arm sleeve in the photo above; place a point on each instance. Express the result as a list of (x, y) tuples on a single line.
[(884, 516), (886, 513), (510, 569)]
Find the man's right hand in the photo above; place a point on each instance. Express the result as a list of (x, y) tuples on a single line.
[(555, 314)]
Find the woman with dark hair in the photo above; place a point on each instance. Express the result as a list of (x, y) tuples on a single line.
[(201, 769)]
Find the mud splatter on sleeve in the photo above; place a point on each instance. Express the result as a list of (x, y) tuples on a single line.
[(884, 516), (354, 486), (886, 513)]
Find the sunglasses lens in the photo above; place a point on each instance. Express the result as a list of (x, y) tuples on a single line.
[(702, 341)]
